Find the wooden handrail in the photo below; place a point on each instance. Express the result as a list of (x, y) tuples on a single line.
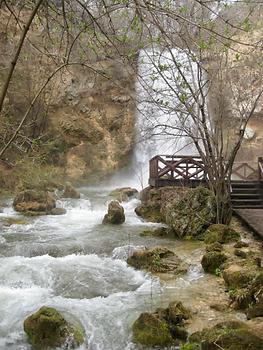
[(187, 168)]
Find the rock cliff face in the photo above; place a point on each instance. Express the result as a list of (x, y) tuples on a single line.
[(84, 120)]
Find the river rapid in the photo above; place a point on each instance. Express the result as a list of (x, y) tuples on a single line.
[(77, 265)]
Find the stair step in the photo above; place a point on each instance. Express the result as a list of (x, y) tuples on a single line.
[(247, 206), (246, 195), (247, 184), (246, 190)]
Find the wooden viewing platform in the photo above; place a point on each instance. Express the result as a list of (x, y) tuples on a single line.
[(190, 171)]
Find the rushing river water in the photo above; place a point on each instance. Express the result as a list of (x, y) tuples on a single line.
[(77, 265)]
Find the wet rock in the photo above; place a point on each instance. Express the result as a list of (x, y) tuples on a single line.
[(236, 276), (150, 330), (70, 191), (221, 233), (158, 232), (31, 202), (1, 210), (124, 194), (241, 244), (156, 200), (212, 261), (228, 336), (115, 214), (157, 259), (15, 221), (58, 211), (190, 216), (255, 310), (149, 213), (240, 253), (177, 313), (214, 247), (163, 327), (47, 328)]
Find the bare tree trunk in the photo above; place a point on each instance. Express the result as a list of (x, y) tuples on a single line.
[(17, 53)]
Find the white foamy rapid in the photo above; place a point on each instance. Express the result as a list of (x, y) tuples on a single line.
[(76, 264)]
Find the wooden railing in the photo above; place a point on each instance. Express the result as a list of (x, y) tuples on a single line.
[(245, 171), (183, 168), (166, 169)]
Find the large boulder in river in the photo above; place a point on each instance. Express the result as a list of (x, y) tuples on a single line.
[(70, 192), (154, 202), (115, 214), (47, 328), (157, 259), (32, 202), (150, 330), (193, 214), (124, 193)]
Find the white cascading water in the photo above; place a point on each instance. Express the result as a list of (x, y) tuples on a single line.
[(77, 265), (159, 111)]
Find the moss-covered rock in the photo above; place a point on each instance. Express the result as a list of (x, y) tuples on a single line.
[(249, 296), (33, 202), (241, 244), (156, 200), (212, 261), (163, 327), (177, 313), (115, 214), (47, 328), (228, 336), (149, 213), (190, 216), (220, 233), (241, 253), (236, 276), (150, 330), (158, 232), (157, 259), (124, 193), (70, 191), (214, 247)]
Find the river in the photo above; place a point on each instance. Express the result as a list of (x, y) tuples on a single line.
[(77, 265)]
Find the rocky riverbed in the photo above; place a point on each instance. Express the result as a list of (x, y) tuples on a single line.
[(78, 265)]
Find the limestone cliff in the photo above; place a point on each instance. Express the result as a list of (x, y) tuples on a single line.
[(83, 122)]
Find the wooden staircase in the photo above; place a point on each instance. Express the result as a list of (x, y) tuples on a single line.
[(247, 194)]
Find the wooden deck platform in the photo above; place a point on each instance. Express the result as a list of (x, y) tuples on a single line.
[(253, 218)]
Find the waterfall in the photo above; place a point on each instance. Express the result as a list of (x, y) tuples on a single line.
[(159, 111)]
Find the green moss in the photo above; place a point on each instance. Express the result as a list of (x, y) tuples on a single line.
[(212, 261), (228, 336), (190, 346), (149, 330), (220, 233), (48, 328)]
